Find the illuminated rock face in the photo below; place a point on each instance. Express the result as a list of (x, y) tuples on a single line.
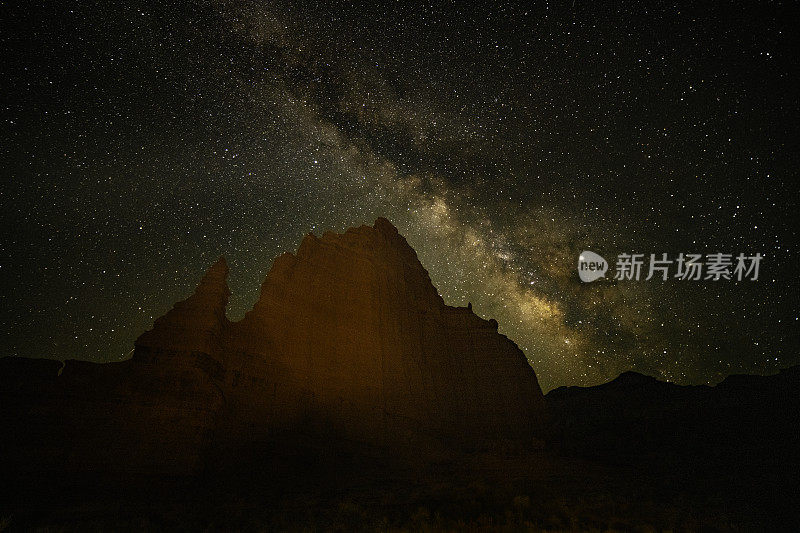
[(348, 342), (350, 334)]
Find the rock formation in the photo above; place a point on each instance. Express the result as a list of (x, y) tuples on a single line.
[(348, 342)]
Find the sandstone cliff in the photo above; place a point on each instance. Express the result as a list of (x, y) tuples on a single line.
[(349, 341), (351, 334)]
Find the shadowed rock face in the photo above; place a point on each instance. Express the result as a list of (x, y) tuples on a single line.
[(349, 341), (197, 323)]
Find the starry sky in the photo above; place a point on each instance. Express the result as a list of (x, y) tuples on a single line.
[(140, 141)]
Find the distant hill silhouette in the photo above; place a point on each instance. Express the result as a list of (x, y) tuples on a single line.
[(738, 441), (638, 416)]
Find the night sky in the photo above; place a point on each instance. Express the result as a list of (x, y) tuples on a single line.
[(142, 140)]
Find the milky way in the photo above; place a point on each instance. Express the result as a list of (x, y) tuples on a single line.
[(142, 140)]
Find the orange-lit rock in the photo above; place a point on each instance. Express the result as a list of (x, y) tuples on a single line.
[(348, 342), (350, 334)]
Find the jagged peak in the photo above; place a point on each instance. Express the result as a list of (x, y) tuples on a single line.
[(217, 273), (384, 226), (379, 238), (380, 244), (190, 321), (220, 265)]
